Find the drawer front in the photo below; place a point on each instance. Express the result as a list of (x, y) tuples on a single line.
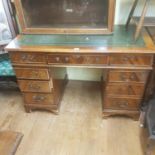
[(39, 98), (29, 73), (128, 76), (131, 60), (28, 58), (77, 59), (98, 59), (121, 103), (125, 89), (60, 59), (35, 86)]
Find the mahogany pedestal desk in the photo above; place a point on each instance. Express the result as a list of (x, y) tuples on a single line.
[(40, 63)]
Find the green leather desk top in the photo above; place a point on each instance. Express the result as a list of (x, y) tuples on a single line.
[(120, 38)]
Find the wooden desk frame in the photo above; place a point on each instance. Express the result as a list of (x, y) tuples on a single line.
[(41, 74)]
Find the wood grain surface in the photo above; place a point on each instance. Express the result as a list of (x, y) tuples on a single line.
[(78, 130)]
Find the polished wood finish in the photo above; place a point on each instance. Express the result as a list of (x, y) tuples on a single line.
[(125, 89), (81, 59), (24, 57), (40, 91), (35, 86), (32, 73), (118, 103), (39, 98), (68, 29), (134, 114), (131, 60), (125, 71), (128, 76)]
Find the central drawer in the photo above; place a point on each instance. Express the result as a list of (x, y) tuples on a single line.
[(39, 98), (77, 59), (35, 86), (124, 89)]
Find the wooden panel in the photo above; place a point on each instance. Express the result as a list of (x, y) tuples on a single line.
[(124, 89), (77, 59), (131, 60), (97, 59), (27, 58), (32, 73), (39, 98), (62, 59), (121, 103), (35, 86), (64, 20), (127, 76)]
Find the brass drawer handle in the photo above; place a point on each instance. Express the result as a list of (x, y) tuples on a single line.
[(128, 58), (78, 56), (129, 90), (97, 59), (34, 86), (25, 57), (38, 98), (35, 74), (66, 59), (57, 59), (125, 58), (123, 105), (123, 77), (133, 77)]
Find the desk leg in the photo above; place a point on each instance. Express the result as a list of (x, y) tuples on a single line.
[(28, 109)]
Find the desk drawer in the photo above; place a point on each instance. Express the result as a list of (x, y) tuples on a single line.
[(125, 89), (128, 76), (121, 103), (131, 60), (39, 98), (77, 59), (23, 57), (32, 73), (35, 86)]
